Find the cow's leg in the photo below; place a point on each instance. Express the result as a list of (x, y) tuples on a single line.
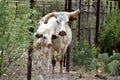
[(60, 66), (61, 63), (47, 58), (39, 70), (64, 61), (48, 66), (49, 62), (62, 57), (53, 63), (39, 65)]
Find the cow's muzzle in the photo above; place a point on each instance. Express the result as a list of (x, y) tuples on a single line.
[(62, 33), (49, 45)]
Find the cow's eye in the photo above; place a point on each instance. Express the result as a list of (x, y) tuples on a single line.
[(58, 22), (44, 37)]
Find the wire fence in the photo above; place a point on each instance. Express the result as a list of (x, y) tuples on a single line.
[(87, 20)]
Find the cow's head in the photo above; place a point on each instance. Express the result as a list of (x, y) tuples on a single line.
[(46, 39), (63, 19)]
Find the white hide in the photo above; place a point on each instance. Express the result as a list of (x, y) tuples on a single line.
[(46, 28), (43, 44), (63, 31)]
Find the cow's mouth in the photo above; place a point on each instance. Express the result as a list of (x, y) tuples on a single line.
[(62, 33)]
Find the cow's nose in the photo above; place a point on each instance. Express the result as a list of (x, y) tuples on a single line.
[(49, 45), (62, 33)]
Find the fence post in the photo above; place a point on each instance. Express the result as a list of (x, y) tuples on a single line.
[(92, 22), (89, 28), (30, 50), (115, 4), (87, 5), (32, 3), (97, 22), (82, 28), (110, 8), (79, 17), (66, 5), (65, 8), (68, 49), (106, 8), (43, 10), (119, 4), (74, 28)]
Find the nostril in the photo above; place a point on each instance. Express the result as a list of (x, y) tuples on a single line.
[(49, 45), (62, 33)]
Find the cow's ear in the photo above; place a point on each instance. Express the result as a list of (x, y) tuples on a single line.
[(74, 14), (38, 35), (54, 37)]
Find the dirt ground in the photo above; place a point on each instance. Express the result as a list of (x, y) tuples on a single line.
[(18, 71)]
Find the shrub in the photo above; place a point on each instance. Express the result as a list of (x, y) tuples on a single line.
[(111, 64), (84, 56), (14, 33), (110, 37), (104, 57), (50, 6), (113, 67)]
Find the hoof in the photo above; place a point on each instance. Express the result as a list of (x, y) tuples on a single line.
[(61, 72)]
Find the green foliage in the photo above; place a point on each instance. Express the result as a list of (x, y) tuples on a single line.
[(104, 57), (14, 28), (110, 37), (109, 40), (56, 5), (94, 63), (111, 64), (14, 33), (113, 67), (84, 56), (116, 56), (1, 62), (50, 6)]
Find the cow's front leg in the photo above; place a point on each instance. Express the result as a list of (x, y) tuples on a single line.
[(60, 66), (53, 64), (39, 66), (61, 63), (48, 61)]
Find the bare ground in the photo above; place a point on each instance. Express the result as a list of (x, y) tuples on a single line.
[(18, 71)]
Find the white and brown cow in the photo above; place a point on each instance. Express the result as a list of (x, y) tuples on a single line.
[(43, 44), (63, 32)]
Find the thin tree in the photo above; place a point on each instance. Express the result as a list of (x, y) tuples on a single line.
[(97, 22), (68, 49), (30, 50)]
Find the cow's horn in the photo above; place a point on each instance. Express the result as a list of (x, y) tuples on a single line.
[(74, 14), (48, 16)]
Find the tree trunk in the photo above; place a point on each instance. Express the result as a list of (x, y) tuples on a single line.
[(66, 5), (68, 50), (97, 22), (119, 4), (32, 2), (30, 50)]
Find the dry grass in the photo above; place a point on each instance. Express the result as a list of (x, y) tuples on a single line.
[(18, 71)]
